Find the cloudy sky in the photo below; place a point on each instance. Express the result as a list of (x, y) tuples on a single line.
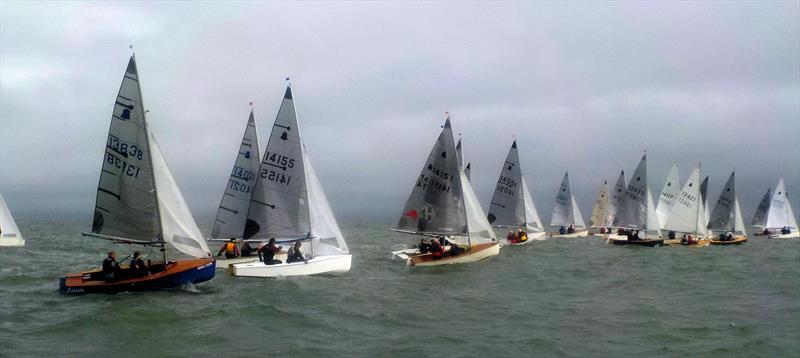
[(586, 87)]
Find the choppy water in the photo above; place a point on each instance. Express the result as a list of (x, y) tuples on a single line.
[(576, 297)]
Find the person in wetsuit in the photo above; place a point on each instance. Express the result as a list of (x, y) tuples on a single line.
[(294, 254), (246, 250), (437, 251), (270, 251), (424, 247), (111, 270), (137, 267)]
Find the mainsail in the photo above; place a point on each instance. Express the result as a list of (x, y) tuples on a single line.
[(233, 208), (507, 208), (617, 200), (279, 205), (8, 227), (671, 190), (565, 210), (723, 216), (760, 217), (137, 197), (780, 210), (600, 208), (634, 209), (687, 212)]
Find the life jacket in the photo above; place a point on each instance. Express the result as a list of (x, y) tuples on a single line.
[(523, 237), (230, 247)]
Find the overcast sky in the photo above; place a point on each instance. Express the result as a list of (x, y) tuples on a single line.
[(586, 87)]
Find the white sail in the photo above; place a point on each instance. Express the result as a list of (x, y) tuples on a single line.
[(478, 226), (461, 165), (533, 222), (634, 212), (760, 217), (279, 206), (668, 194), (738, 225), (177, 224), (235, 203), (653, 226), (780, 210), (687, 213), (723, 215), (328, 238), (617, 200), (565, 210), (9, 232), (600, 208)]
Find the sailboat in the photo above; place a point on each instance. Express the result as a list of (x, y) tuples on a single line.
[(566, 213), (138, 202), (727, 216), (616, 205), (235, 202), (512, 205), (759, 221), (443, 205), (289, 205), (687, 214), (9, 232), (638, 212), (780, 215), (600, 210), (669, 192)]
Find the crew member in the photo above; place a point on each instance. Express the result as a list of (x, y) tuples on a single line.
[(230, 249)]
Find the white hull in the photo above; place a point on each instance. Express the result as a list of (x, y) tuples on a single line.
[(465, 257), (334, 264), (222, 264), (532, 236), (792, 235), (12, 242), (582, 233)]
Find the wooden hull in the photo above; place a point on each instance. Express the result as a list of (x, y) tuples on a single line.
[(473, 254), (643, 242), (334, 264), (174, 274), (792, 235), (736, 241), (581, 233), (698, 243)]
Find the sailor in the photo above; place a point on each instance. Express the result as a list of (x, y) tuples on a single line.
[(436, 249), (571, 229), (785, 230), (294, 254), (247, 250), (522, 236), (110, 266), (260, 250), (138, 268), (511, 238), (270, 251), (729, 236), (230, 249), (671, 235), (562, 230), (424, 247), (454, 249), (636, 235), (602, 230)]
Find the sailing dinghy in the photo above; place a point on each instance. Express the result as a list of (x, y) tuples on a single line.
[(235, 202), (726, 218), (9, 232), (442, 205), (289, 205), (638, 215), (566, 213), (600, 210), (512, 205), (687, 214), (780, 217), (616, 205), (138, 202), (759, 221)]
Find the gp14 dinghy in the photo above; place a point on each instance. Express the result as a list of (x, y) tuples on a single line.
[(781, 223), (726, 218), (443, 207), (566, 215), (512, 205), (234, 206), (138, 202), (759, 221), (687, 214), (289, 205), (9, 232), (638, 217), (597, 221)]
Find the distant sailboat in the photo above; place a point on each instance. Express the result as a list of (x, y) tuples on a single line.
[(617, 199), (670, 191), (759, 221), (638, 214), (512, 206), (566, 213), (600, 210), (235, 202), (687, 214), (288, 204), (780, 215), (138, 202), (442, 204), (727, 216), (9, 232)]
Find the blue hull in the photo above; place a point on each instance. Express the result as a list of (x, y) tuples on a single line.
[(173, 277)]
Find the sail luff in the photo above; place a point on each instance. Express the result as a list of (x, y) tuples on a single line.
[(616, 200), (723, 215)]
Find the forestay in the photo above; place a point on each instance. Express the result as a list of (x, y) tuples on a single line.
[(760, 217), (279, 205), (507, 208), (235, 203), (669, 192), (686, 214), (634, 210), (8, 227), (436, 203), (780, 210), (600, 208), (565, 210)]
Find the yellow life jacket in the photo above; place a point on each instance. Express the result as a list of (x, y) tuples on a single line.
[(230, 247), (523, 237)]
